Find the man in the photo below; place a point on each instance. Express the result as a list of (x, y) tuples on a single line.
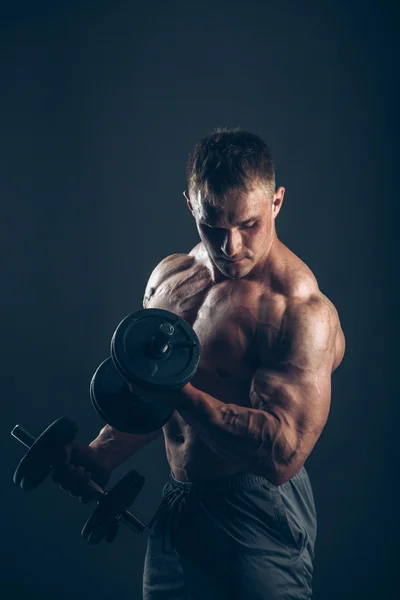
[(237, 518)]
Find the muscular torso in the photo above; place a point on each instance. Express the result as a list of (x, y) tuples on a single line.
[(227, 317)]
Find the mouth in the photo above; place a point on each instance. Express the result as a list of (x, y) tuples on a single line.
[(235, 260)]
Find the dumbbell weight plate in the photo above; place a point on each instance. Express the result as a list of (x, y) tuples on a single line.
[(130, 350), (103, 522), (44, 453), (117, 406)]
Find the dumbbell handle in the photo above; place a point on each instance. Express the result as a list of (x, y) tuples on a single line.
[(27, 439)]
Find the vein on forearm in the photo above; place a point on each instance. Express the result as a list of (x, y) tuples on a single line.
[(116, 446), (252, 437)]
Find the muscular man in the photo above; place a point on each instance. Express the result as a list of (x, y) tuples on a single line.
[(237, 519)]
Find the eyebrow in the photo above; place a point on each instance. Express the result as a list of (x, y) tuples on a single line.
[(246, 222)]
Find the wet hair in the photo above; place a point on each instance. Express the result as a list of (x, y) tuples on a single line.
[(229, 160)]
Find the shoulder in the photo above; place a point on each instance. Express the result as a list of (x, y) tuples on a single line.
[(308, 311), (312, 313), (311, 325), (308, 319), (300, 292), (311, 316), (169, 266)]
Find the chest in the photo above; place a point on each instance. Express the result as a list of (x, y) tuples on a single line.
[(227, 319)]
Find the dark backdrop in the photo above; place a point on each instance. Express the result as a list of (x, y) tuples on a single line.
[(100, 104)]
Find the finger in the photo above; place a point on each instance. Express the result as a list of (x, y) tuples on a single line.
[(69, 481), (65, 487), (86, 498), (64, 474), (57, 475), (81, 472)]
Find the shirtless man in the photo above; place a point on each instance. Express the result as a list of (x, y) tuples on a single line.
[(237, 519)]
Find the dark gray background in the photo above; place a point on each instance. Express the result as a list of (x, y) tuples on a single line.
[(100, 104)]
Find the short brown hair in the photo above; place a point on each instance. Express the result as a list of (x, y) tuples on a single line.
[(229, 159)]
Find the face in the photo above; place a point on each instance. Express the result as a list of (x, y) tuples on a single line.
[(238, 236)]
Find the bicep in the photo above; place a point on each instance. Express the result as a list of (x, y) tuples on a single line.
[(296, 390), (299, 401)]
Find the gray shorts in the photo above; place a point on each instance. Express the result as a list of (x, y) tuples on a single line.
[(235, 537)]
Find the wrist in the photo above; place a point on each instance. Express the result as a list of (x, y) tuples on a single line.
[(101, 455), (187, 397)]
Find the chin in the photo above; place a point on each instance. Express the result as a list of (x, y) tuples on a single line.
[(235, 273)]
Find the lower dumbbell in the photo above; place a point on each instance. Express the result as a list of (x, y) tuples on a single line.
[(40, 460), (112, 508), (44, 452)]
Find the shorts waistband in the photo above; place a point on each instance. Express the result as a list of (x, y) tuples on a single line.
[(221, 484)]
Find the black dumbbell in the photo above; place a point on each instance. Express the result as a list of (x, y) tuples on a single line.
[(43, 455), (154, 348)]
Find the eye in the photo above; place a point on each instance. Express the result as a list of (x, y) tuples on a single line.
[(209, 229), (249, 225)]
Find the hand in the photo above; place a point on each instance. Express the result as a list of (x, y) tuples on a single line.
[(78, 465)]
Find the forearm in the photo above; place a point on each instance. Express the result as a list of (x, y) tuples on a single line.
[(115, 447), (253, 438)]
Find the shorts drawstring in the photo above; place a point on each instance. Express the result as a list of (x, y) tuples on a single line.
[(175, 498), (173, 505)]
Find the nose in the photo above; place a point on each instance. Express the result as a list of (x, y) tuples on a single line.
[(232, 244)]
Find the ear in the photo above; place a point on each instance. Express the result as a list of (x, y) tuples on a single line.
[(277, 201), (190, 206)]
